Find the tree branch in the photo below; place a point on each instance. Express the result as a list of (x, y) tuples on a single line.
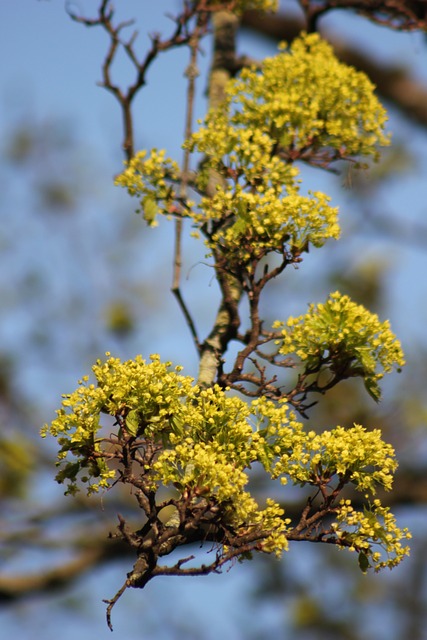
[(227, 319), (192, 72), (181, 35)]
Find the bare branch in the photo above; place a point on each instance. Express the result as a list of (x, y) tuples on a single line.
[(191, 73), (181, 35), (396, 14), (113, 601)]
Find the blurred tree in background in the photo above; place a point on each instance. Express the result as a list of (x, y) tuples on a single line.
[(101, 285)]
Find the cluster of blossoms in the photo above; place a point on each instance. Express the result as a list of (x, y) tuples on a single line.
[(197, 444), (378, 526), (145, 177), (345, 337), (202, 442), (304, 105), (306, 99)]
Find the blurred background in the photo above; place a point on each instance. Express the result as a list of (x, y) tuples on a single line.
[(81, 274)]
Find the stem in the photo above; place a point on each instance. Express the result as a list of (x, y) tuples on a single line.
[(192, 72)]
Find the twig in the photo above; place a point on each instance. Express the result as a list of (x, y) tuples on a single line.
[(181, 36), (113, 601), (185, 311), (191, 73)]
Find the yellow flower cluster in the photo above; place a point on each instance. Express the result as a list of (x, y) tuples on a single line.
[(145, 177), (353, 455), (266, 223), (140, 390), (345, 337), (306, 99), (375, 525), (206, 441), (303, 105)]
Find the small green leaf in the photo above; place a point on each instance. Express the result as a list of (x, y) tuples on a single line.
[(373, 389), (176, 424), (132, 422), (239, 227), (243, 212), (150, 207), (363, 562), (68, 472)]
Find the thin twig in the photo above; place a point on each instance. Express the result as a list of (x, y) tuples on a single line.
[(191, 73), (113, 601), (181, 35)]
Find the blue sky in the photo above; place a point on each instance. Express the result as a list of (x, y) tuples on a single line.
[(50, 66)]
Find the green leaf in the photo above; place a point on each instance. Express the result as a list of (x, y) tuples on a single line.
[(242, 209), (363, 562), (68, 472), (373, 389), (150, 207), (239, 227), (176, 424), (132, 422)]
